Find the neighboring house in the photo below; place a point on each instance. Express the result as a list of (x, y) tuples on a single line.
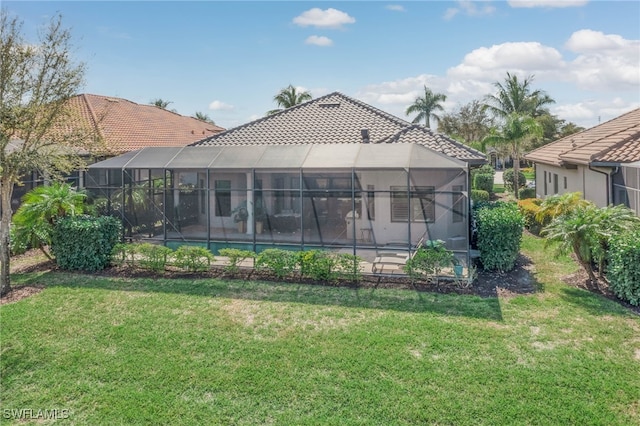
[(331, 173), (124, 126), (603, 163)]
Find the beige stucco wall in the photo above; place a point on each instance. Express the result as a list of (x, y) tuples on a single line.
[(591, 184)]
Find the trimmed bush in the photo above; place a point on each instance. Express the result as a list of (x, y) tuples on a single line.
[(499, 234), (508, 176), (235, 257), (478, 196), (152, 256), (193, 258), (623, 270), (277, 261), (526, 193), (483, 182), (85, 243)]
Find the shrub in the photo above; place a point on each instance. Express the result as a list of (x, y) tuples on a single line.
[(152, 256), (85, 242), (235, 257), (348, 267), (277, 261), (499, 234), (193, 258), (508, 176), (478, 196), (623, 270), (529, 209), (483, 182), (429, 260), (318, 265), (526, 193)]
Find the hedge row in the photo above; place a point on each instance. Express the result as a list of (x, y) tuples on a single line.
[(317, 265)]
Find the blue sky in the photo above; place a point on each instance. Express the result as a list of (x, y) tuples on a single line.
[(228, 59)]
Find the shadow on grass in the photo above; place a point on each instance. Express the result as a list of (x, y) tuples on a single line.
[(351, 297), (596, 302)]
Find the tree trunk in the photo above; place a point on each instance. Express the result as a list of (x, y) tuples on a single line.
[(6, 189), (516, 172)]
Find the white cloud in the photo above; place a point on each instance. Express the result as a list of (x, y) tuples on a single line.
[(470, 8), (319, 40), (330, 18), (547, 3), (220, 106), (605, 61), (518, 57), (595, 41), (396, 8), (591, 112)]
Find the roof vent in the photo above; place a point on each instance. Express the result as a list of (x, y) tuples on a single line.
[(365, 135), (329, 104)]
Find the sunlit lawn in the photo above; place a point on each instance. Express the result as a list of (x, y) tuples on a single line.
[(143, 351)]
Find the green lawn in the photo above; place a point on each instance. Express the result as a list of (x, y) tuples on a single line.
[(142, 351)]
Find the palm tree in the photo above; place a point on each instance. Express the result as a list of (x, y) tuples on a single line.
[(160, 103), (288, 97), (41, 208), (514, 133), (559, 205), (426, 105), (516, 96), (578, 232), (203, 117)]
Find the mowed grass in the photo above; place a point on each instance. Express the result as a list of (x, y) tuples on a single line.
[(158, 351)]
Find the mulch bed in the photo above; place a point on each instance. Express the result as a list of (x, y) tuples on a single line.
[(487, 284)]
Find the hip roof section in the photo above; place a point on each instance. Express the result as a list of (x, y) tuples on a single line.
[(339, 119), (127, 126), (615, 141)]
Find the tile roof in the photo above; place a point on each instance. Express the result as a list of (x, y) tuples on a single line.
[(615, 141), (336, 118), (127, 126)]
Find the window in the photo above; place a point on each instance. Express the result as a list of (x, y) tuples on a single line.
[(545, 182), (419, 208), (457, 204), (565, 182), (223, 198), (555, 183), (371, 205)]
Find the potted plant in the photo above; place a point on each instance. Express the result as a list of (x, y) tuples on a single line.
[(458, 268), (260, 216), (240, 215)]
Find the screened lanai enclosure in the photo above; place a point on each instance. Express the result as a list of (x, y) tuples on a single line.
[(353, 198)]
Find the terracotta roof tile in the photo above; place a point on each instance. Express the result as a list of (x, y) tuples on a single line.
[(615, 141), (336, 118), (127, 126)]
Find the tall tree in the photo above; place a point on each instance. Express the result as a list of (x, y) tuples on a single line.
[(203, 117), (288, 97), (517, 96), (36, 82), (469, 124), (426, 106), (514, 133)]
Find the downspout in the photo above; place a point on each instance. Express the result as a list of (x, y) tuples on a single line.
[(609, 185)]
